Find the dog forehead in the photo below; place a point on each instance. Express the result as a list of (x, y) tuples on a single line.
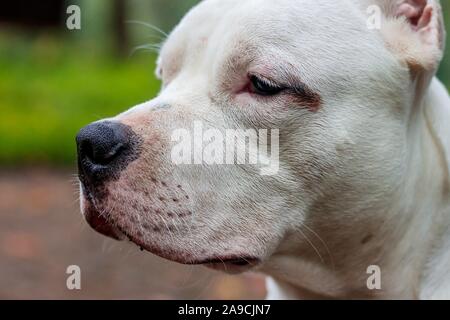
[(317, 36), (282, 23), (268, 12)]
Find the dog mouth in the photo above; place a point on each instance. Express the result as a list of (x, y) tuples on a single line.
[(101, 223), (232, 265), (238, 262), (229, 264)]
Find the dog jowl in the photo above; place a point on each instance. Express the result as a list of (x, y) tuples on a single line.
[(362, 173)]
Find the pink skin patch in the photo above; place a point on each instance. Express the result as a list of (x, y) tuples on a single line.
[(417, 12)]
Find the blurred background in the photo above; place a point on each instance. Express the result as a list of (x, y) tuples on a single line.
[(53, 81)]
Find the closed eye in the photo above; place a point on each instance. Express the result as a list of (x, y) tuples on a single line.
[(300, 93), (263, 87), (159, 73)]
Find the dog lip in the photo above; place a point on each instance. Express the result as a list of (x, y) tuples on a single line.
[(232, 265), (216, 263), (100, 223), (235, 261)]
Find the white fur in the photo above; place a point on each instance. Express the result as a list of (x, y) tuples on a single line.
[(363, 181)]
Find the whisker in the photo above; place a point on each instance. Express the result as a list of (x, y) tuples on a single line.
[(156, 37), (168, 229), (312, 245), (224, 264), (175, 224), (323, 242), (148, 25), (145, 47)]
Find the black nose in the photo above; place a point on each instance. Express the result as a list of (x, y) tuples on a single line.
[(101, 143), (103, 149)]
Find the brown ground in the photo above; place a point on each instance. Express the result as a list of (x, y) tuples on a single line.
[(42, 232)]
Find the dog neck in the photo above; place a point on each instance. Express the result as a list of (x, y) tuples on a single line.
[(436, 275), (411, 246)]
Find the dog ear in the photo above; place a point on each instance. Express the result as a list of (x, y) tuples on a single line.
[(415, 33)]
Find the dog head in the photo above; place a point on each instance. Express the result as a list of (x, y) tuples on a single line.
[(329, 95)]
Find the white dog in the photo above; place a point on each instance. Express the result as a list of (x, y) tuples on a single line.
[(364, 146)]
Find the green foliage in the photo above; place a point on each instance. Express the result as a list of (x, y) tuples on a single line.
[(444, 71), (49, 90)]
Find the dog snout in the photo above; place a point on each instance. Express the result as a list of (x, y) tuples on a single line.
[(104, 149)]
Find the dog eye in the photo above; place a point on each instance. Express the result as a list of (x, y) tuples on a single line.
[(263, 87), (159, 73)]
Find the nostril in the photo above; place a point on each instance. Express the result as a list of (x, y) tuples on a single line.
[(85, 149), (106, 157), (103, 156), (101, 143)]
